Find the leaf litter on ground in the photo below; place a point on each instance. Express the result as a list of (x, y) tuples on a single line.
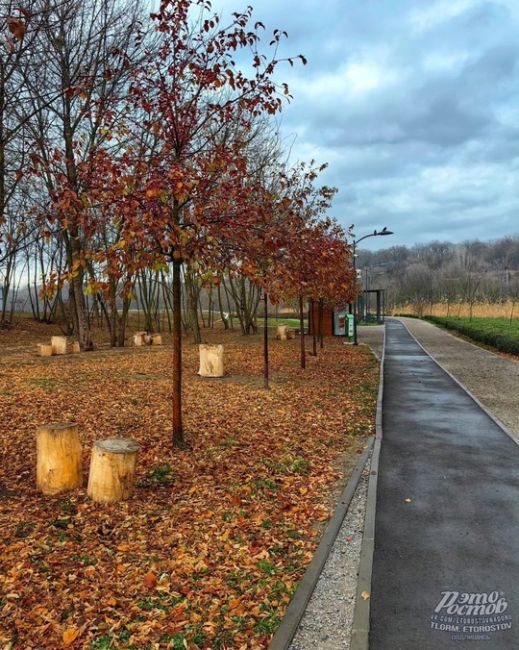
[(210, 548)]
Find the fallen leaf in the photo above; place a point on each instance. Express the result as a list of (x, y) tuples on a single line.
[(90, 571), (69, 636), (150, 580), (365, 595)]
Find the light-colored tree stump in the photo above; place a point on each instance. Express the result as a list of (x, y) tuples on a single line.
[(138, 339), (291, 334), (44, 349), (59, 344), (147, 339), (74, 347), (112, 470), (211, 361), (58, 451), (282, 333), (156, 339)]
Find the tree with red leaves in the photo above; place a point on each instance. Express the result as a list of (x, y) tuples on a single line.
[(309, 239), (182, 177)]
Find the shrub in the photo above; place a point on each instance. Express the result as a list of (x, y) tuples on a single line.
[(496, 332)]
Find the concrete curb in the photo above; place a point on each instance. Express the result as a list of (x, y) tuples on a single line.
[(297, 607), (494, 419), (361, 616)]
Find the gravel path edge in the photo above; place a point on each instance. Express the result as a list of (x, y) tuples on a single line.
[(296, 609), (361, 615)]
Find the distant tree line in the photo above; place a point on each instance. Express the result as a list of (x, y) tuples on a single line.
[(425, 275)]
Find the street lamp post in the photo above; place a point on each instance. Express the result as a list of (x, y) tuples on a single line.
[(375, 233)]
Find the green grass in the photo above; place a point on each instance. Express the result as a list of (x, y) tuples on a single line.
[(274, 322), (498, 333)]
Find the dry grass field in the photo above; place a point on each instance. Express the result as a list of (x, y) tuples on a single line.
[(507, 309)]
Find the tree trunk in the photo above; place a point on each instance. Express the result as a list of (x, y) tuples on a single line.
[(265, 341), (81, 323), (58, 451), (178, 431), (220, 308), (192, 306), (321, 318), (211, 361), (314, 329), (167, 301), (112, 470), (59, 345), (44, 350), (198, 305), (123, 321), (210, 318), (229, 306), (283, 333), (302, 330)]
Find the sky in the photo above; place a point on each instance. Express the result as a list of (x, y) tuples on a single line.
[(414, 104)]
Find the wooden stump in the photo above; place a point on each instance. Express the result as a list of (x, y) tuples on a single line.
[(156, 339), (74, 347), (282, 333), (44, 350), (138, 339), (112, 470), (58, 451), (59, 344), (211, 361), (291, 334)]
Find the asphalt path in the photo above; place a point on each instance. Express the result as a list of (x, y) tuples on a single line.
[(493, 378), (446, 561)]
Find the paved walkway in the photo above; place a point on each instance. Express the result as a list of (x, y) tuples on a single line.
[(446, 561), (492, 377)]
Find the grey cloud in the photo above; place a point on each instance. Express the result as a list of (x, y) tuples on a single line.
[(433, 150)]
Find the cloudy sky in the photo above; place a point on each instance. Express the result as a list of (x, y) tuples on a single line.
[(415, 106)]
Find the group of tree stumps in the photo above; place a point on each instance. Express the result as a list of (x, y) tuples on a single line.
[(211, 356), (112, 466), (141, 339), (285, 333), (59, 466), (59, 345)]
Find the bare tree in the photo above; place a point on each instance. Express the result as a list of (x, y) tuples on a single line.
[(87, 47)]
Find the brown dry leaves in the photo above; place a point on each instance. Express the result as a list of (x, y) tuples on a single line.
[(210, 549)]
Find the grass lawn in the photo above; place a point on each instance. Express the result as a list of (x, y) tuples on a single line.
[(210, 548), (274, 322), (498, 333)]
